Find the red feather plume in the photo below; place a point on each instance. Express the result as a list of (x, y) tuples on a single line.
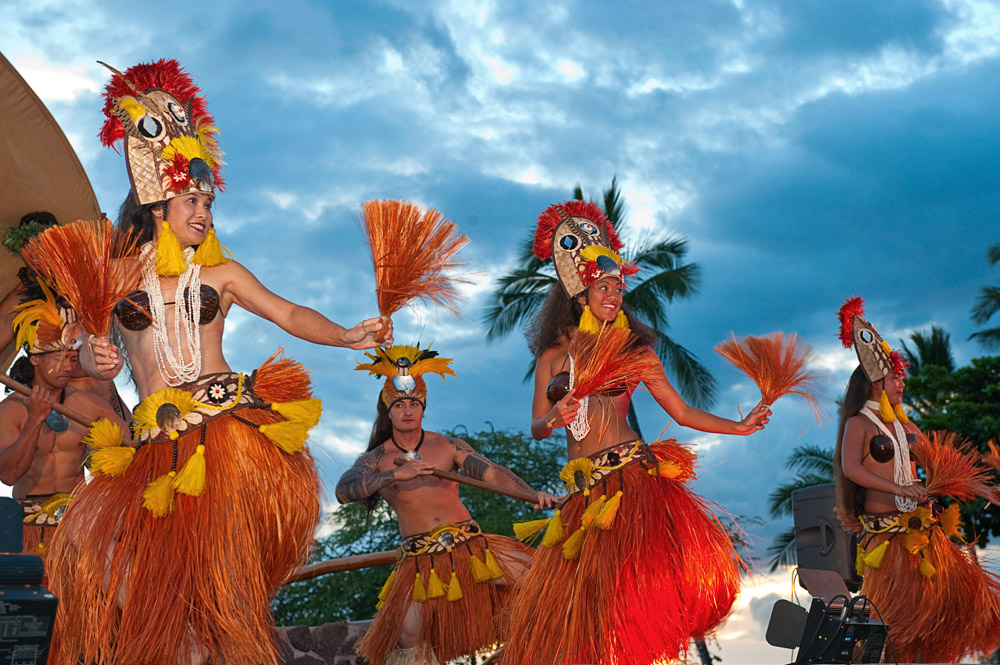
[(550, 219), (777, 364), (850, 307), (411, 251), (84, 262), (614, 359), (952, 466)]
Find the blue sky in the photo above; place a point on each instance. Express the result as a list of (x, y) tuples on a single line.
[(808, 151)]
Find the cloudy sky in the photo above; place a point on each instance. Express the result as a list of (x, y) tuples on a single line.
[(808, 151)]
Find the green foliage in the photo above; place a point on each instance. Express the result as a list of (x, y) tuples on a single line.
[(18, 236), (352, 595), (987, 304)]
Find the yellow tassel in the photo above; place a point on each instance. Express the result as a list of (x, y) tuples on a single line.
[(435, 587), (211, 252), (479, 572), (40, 550), (927, 568), (306, 411), (951, 522), (158, 497), (454, 587), (525, 531), (885, 409), (900, 414), (288, 436), (554, 531), (874, 558), (386, 588), (191, 479), (113, 461), (574, 545), (915, 541), (588, 322), (859, 561), (590, 514), (621, 321), (492, 566), (103, 434), (169, 253), (609, 512), (419, 595)]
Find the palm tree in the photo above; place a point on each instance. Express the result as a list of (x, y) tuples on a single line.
[(813, 466), (988, 304), (933, 348), (664, 277)]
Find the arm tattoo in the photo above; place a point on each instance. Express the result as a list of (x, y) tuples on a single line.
[(476, 466), (363, 479)]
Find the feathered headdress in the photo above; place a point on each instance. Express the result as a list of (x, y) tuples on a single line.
[(582, 243), (41, 320), (169, 136), (874, 353), (403, 367)]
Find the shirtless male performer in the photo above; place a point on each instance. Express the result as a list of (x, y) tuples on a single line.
[(451, 581)]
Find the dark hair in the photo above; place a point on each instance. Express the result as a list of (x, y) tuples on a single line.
[(22, 371), (42, 217), (559, 313), (850, 495), (381, 430), (136, 219)]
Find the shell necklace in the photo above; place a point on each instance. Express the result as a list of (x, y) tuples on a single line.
[(174, 369), (902, 472)]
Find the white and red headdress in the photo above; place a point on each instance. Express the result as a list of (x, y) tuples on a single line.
[(877, 358)]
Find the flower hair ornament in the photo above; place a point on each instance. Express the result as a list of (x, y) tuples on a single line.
[(584, 246), (170, 147), (403, 367)]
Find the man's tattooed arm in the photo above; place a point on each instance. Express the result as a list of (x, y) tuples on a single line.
[(476, 466), (364, 479)]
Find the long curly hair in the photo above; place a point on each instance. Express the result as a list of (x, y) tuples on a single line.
[(850, 495), (559, 313)]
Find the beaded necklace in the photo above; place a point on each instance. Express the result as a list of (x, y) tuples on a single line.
[(174, 369), (902, 473)]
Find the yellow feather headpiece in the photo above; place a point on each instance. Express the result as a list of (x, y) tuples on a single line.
[(403, 367), (40, 322)]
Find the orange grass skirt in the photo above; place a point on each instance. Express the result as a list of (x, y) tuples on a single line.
[(139, 589), (940, 619), (449, 628), (665, 571)]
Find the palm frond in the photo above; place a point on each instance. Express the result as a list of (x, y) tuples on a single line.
[(691, 379), (987, 304), (667, 285), (614, 204), (782, 550), (993, 254), (779, 501), (810, 458), (660, 251), (518, 297), (989, 339)]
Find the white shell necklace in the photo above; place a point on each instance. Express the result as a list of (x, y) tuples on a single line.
[(174, 369), (580, 427), (902, 472)]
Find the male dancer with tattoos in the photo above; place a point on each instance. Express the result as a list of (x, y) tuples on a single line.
[(451, 581)]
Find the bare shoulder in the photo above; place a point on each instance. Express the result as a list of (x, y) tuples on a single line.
[(86, 402), (13, 406)]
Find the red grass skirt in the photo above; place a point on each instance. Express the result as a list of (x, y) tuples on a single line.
[(936, 619), (139, 589), (449, 628), (664, 572)]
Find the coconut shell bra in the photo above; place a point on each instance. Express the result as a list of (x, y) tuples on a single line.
[(880, 446), (133, 310)]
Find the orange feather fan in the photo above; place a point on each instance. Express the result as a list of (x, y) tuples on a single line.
[(614, 359), (84, 262), (951, 463), (411, 251), (777, 364)]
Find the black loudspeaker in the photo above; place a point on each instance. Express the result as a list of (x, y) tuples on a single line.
[(820, 541)]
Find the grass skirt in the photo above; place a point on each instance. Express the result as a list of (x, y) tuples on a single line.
[(140, 589), (937, 601), (449, 628), (644, 582)]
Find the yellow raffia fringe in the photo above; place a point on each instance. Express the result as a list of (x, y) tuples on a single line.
[(859, 561), (609, 512), (102, 434), (568, 474), (951, 522), (885, 409), (588, 322), (386, 588), (289, 436), (900, 414), (169, 254), (874, 558), (590, 514), (158, 497), (113, 461), (915, 541), (574, 545), (525, 531), (40, 550), (191, 479), (435, 587), (479, 572), (305, 411), (492, 566), (554, 531), (927, 568), (211, 252), (419, 594), (621, 321), (454, 588)]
